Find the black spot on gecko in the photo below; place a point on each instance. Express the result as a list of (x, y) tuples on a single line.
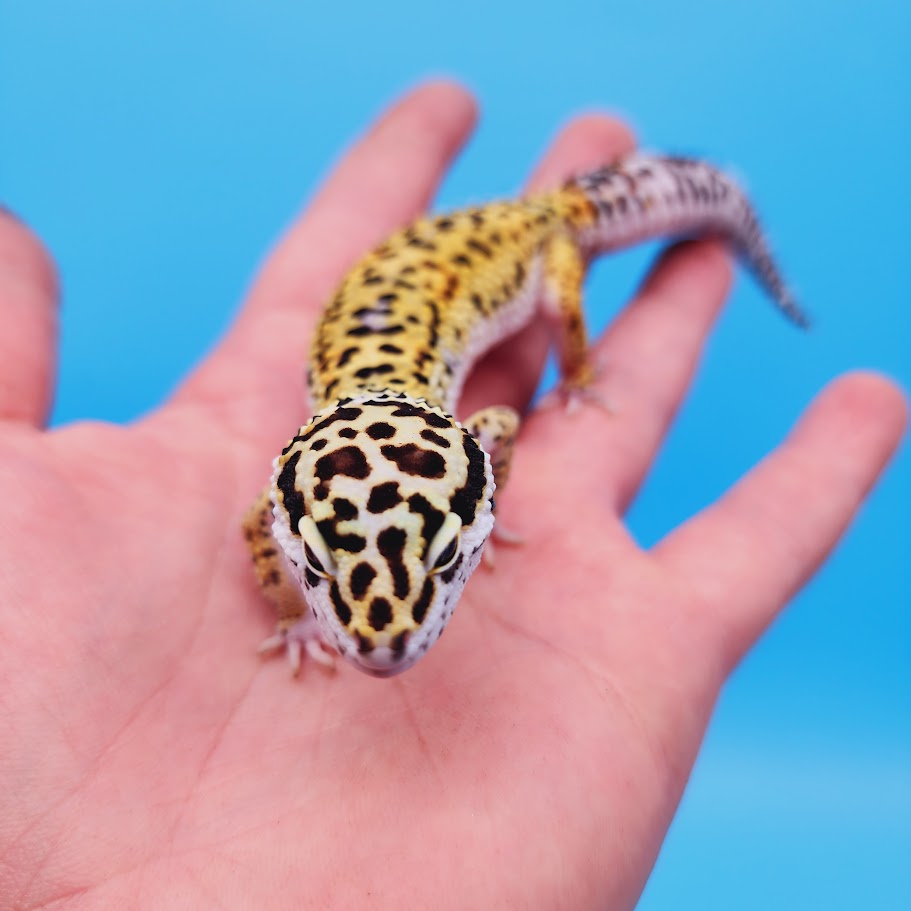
[(361, 577), (391, 349), (312, 578), (346, 355), (340, 414), (383, 497), (419, 611), (460, 259), (348, 461), (353, 544), (317, 445), (452, 285), (433, 518), (342, 611), (464, 501), (360, 331), (347, 433), (479, 247), (380, 614), (414, 460), (406, 410), (391, 543), (380, 369), (398, 643), (344, 509), (292, 498), (434, 323), (421, 244), (381, 431), (433, 437)]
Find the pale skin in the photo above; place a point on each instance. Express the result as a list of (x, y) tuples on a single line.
[(534, 758)]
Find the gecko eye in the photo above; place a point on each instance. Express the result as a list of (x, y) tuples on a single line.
[(445, 545), (316, 553)]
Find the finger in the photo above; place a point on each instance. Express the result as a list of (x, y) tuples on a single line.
[(510, 374), (385, 180), (650, 355), (28, 316), (749, 552)]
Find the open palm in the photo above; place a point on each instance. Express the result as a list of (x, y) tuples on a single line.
[(533, 759)]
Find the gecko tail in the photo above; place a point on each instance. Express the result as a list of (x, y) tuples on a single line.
[(646, 196)]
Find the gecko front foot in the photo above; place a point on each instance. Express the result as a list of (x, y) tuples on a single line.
[(301, 636), (501, 535)]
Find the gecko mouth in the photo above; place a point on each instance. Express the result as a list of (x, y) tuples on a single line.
[(381, 661)]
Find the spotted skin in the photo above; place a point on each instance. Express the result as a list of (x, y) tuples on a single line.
[(380, 506)]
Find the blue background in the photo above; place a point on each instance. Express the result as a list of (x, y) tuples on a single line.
[(159, 148)]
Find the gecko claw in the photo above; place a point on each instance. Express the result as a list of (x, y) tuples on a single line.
[(578, 390), (502, 535), (302, 636)]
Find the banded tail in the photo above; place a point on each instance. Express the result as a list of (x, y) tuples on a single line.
[(645, 196)]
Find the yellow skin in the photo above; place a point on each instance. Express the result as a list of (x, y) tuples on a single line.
[(380, 507), (149, 762)]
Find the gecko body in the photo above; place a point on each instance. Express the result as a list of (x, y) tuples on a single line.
[(380, 506)]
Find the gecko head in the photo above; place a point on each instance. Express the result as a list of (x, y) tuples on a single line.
[(383, 504)]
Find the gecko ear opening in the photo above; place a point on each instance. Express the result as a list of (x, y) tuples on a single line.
[(444, 547), (316, 552)]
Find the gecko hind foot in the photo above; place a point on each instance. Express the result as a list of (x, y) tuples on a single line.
[(572, 398), (574, 392)]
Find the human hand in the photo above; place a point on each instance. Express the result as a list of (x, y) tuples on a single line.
[(533, 759)]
